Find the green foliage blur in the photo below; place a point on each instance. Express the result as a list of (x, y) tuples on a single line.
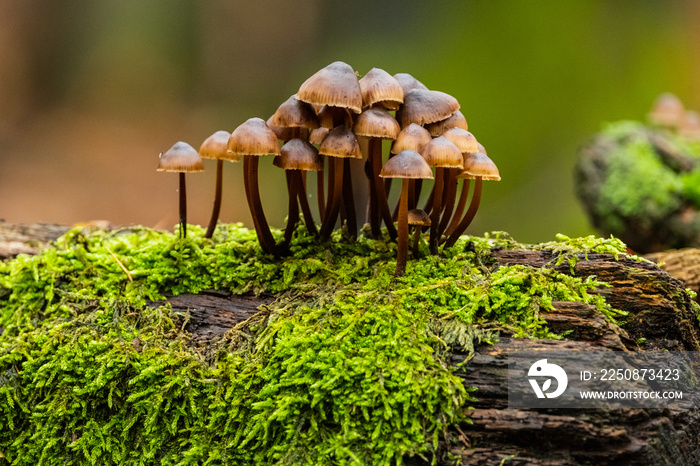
[(93, 90)]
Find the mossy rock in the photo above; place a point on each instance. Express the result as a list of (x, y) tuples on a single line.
[(346, 364), (642, 185)]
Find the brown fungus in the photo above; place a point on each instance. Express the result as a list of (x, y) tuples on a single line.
[(181, 158)]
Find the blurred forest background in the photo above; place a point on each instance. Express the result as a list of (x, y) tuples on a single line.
[(92, 90)]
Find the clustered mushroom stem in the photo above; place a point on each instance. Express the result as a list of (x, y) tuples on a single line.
[(183, 206), (416, 239), (371, 168), (382, 204), (250, 169), (320, 190), (304, 202), (402, 252), (436, 210), (293, 207), (468, 217), (335, 168), (415, 191), (459, 210), (449, 198), (217, 200), (349, 199)]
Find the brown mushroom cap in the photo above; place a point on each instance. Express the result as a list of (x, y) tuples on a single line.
[(667, 111), (253, 137), (482, 149), (294, 113), (422, 106), (298, 154), (457, 120), (479, 164), (378, 86), (412, 137), (317, 134), (406, 164), (376, 123), (335, 85), (215, 147), (418, 217), (282, 133), (181, 158), (408, 82), (440, 152), (463, 139), (340, 142)]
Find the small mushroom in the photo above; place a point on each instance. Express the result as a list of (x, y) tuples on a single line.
[(418, 218), (335, 85), (215, 147), (406, 165), (254, 139), (295, 157), (377, 124), (422, 106), (441, 154), (667, 111), (408, 82), (412, 137), (181, 158), (380, 88), (457, 120), (480, 167), (340, 144), (466, 143)]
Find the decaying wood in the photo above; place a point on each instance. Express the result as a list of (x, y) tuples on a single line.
[(659, 311), (683, 264)]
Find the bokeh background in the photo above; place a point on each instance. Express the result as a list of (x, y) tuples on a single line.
[(92, 90)]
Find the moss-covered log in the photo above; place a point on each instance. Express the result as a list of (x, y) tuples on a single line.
[(336, 361)]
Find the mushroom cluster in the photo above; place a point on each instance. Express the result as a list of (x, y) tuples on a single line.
[(337, 121)]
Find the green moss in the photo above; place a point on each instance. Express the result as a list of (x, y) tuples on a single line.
[(348, 366)]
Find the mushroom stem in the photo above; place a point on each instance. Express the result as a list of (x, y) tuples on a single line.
[(349, 199), (373, 215), (217, 199), (417, 188), (382, 203), (250, 170), (183, 206), (304, 203), (416, 239), (437, 209), (468, 217), (293, 207), (449, 198), (320, 191), (402, 253), (459, 210), (336, 168)]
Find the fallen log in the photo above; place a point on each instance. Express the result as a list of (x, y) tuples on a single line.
[(661, 316)]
